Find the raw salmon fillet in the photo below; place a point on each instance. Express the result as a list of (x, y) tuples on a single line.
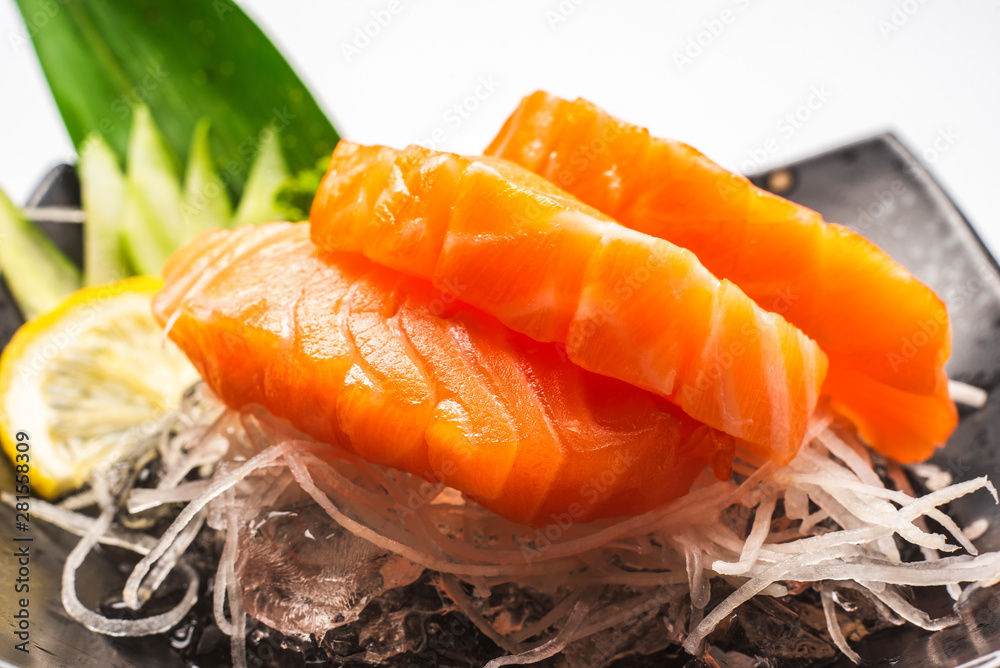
[(626, 304), (362, 356), (887, 334)]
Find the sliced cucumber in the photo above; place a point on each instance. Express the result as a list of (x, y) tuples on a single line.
[(205, 203), (102, 188), (267, 174), (147, 246), (153, 225), (38, 274)]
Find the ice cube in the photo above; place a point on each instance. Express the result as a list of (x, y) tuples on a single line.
[(301, 573)]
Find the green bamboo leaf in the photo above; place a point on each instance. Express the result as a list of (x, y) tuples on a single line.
[(102, 189), (186, 59), (37, 273), (206, 202), (268, 174)]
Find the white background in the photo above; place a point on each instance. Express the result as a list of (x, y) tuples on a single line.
[(929, 71)]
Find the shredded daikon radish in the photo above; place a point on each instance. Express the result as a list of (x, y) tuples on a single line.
[(834, 627), (671, 553), (755, 541), (264, 459), (861, 466), (697, 582), (628, 611), (227, 566), (79, 525), (84, 499), (453, 588), (975, 529), (144, 498), (162, 569), (907, 611), (238, 626), (557, 612), (967, 395), (933, 476), (118, 627), (552, 647), (899, 479), (753, 587), (304, 479)]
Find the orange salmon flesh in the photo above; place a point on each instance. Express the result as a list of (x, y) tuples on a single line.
[(383, 364), (863, 309), (625, 304)]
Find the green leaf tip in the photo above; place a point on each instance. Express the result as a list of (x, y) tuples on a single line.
[(185, 60)]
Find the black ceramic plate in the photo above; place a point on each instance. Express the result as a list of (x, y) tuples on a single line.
[(875, 186)]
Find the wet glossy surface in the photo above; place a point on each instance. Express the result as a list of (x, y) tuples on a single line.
[(873, 186), (879, 189)]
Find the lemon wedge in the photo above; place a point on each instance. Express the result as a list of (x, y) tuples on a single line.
[(86, 381)]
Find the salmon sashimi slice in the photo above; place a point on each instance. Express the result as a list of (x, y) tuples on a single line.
[(625, 304), (887, 334), (383, 364)]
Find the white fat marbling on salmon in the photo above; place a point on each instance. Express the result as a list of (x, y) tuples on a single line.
[(775, 375)]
